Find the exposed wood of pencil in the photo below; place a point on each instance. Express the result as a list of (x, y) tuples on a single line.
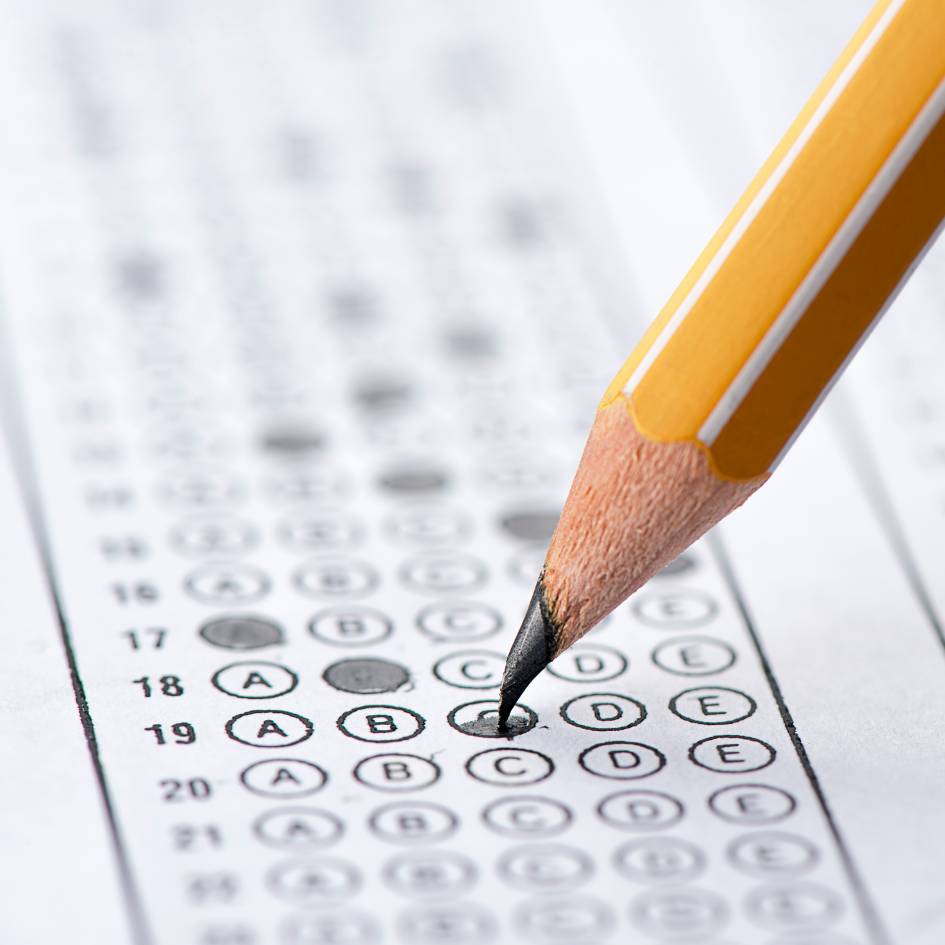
[(633, 507)]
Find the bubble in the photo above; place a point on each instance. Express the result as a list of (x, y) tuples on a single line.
[(241, 633), (292, 440), (354, 306), (535, 525), (381, 394), (470, 341), (414, 479), (368, 675), (481, 719)]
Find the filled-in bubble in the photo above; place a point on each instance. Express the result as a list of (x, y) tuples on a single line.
[(367, 675), (414, 479), (292, 440), (533, 525), (241, 633)]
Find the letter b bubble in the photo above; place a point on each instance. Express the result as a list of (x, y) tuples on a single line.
[(381, 723)]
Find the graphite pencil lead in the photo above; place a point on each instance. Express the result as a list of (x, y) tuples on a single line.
[(530, 653)]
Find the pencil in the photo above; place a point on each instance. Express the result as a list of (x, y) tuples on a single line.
[(752, 339)]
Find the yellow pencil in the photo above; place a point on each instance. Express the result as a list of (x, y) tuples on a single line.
[(757, 331)]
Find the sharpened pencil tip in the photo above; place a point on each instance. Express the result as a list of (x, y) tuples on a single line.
[(529, 654)]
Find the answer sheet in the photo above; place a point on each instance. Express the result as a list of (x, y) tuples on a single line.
[(307, 307)]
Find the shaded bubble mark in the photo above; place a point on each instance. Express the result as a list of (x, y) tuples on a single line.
[(522, 224), (241, 633), (481, 719), (381, 394), (414, 480), (366, 676), (470, 341), (354, 306), (141, 275), (299, 155), (534, 525), (292, 440)]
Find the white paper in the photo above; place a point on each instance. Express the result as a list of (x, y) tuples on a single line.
[(309, 307)]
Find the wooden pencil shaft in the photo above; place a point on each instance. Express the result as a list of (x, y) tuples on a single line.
[(633, 507), (772, 310), (799, 271)]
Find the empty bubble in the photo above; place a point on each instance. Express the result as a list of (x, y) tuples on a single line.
[(241, 633)]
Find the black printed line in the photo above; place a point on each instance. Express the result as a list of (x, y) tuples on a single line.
[(139, 925), (14, 430), (875, 926)]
